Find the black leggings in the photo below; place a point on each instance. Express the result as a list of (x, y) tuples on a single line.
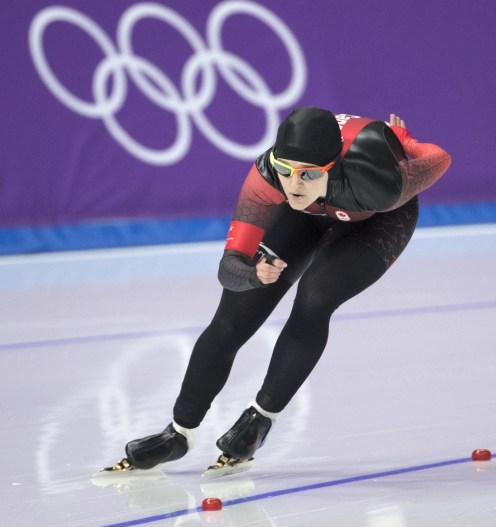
[(335, 263)]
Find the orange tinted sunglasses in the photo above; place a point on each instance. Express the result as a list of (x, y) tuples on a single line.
[(306, 173)]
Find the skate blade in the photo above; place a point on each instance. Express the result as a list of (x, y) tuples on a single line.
[(226, 466), (123, 468)]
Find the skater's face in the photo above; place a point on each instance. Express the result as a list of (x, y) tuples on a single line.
[(302, 193)]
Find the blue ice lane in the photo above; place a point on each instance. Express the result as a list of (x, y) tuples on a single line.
[(295, 490), (422, 310)]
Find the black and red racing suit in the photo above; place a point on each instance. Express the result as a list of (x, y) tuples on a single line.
[(380, 169), (337, 247)]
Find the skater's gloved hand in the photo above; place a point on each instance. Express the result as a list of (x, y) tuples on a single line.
[(268, 273), (394, 120), (399, 128)]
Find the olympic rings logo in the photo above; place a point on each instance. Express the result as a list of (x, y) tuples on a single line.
[(189, 101)]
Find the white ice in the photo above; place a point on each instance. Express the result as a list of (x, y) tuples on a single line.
[(93, 347)]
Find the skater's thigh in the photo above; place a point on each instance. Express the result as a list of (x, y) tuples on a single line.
[(346, 266), (388, 233), (240, 310), (294, 236)]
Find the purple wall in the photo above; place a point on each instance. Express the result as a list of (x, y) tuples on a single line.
[(64, 157)]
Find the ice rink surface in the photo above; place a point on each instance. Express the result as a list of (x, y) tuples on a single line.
[(92, 352)]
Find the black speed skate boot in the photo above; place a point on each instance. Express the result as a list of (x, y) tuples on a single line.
[(153, 450), (240, 443), (246, 435)]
